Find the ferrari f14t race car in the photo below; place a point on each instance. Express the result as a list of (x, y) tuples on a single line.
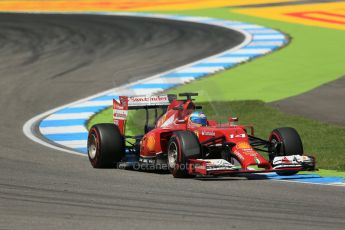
[(182, 140)]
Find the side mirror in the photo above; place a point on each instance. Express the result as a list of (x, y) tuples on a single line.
[(233, 121)]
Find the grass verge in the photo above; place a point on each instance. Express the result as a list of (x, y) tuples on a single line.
[(324, 141), (314, 56), (327, 173)]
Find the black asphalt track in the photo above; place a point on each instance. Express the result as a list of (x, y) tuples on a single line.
[(50, 60), (325, 103)]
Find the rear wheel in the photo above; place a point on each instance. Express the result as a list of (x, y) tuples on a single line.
[(182, 146), (285, 142), (105, 146)]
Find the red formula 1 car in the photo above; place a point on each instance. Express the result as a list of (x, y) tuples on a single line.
[(183, 141)]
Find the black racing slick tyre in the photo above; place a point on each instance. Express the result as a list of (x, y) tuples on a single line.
[(286, 142), (182, 146), (105, 146)]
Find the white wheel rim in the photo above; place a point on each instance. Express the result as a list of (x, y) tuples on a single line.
[(172, 155), (92, 148)]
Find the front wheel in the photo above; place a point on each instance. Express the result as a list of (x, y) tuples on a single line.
[(285, 142), (182, 146)]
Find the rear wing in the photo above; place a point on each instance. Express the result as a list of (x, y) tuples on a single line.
[(125, 103)]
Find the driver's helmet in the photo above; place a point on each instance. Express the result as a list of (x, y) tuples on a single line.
[(198, 118)]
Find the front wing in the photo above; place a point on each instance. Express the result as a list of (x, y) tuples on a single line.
[(293, 163)]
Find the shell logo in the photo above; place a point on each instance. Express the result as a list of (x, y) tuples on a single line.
[(243, 145), (151, 143)]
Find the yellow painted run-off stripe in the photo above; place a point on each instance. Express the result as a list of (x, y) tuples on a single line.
[(329, 15), (122, 5)]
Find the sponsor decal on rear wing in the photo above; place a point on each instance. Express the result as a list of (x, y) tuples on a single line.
[(148, 101)]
